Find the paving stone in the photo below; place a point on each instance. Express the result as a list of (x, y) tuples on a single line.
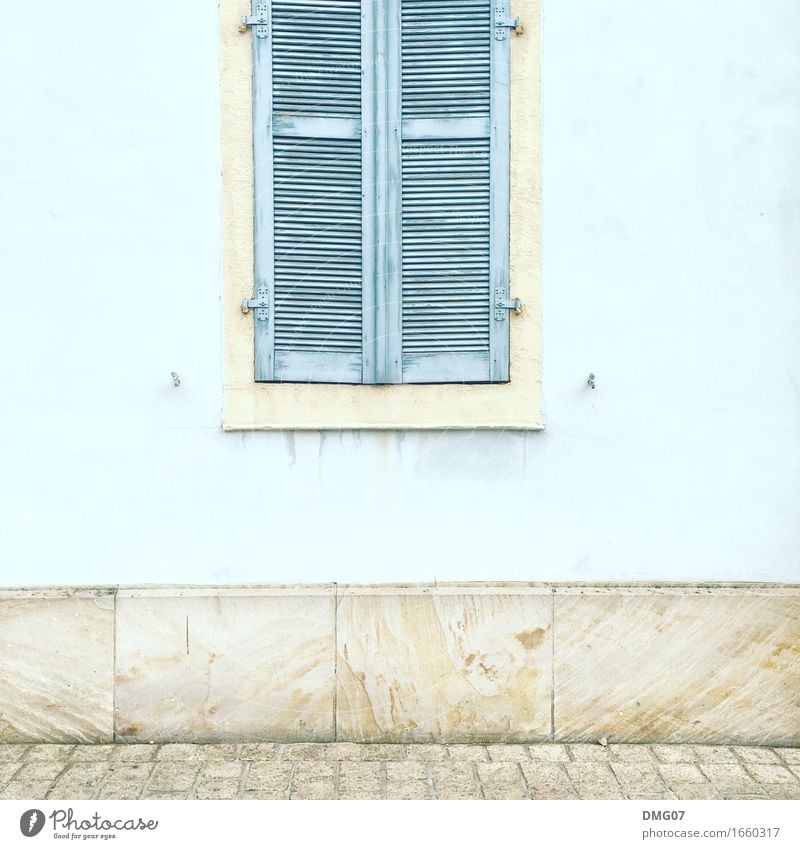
[(130, 770), (180, 752), (13, 751), (591, 773), (428, 752), (222, 769), (499, 772), (694, 791), (134, 752), (508, 753), (782, 791), (450, 790), (121, 790), (269, 776), (771, 774), (84, 754), (303, 752), (64, 792), (554, 795), (588, 752), (745, 797), (313, 771), (501, 781), (173, 795), (359, 771), (465, 772), (406, 771), (359, 780), (383, 752), (727, 775), (652, 795), (223, 788), (463, 752), (791, 756), (678, 773), (48, 752), (637, 777), (40, 771), (264, 794), (504, 790), (220, 751), (749, 791), (674, 754), (754, 755), (455, 781), (548, 781), (258, 751), (26, 790), (345, 751), (599, 791), (408, 790), (172, 776), (630, 753), (8, 770), (548, 752), (313, 790), (86, 773), (716, 755)]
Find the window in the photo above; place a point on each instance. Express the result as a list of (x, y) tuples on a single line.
[(381, 178)]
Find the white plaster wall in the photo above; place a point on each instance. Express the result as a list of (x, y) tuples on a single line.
[(671, 271)]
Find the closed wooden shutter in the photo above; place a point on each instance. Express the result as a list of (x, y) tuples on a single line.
[(455, 192), (308, 204), (381, 182)]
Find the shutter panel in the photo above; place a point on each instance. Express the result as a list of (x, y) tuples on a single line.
[(455, 139), (308, 191), (381, 137)]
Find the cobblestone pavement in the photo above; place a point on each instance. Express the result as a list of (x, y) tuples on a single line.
[(387, 771)]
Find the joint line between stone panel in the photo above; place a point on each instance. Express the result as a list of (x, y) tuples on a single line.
[(114, 668), (552, 665), (335, 661)]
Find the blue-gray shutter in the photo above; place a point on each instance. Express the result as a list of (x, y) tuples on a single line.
[(308, 191), (381, 138), (455, 192)]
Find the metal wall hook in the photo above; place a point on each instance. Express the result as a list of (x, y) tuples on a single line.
[(176, 379), (590, 381)]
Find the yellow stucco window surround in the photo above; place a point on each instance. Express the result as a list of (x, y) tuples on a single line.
[(304, 406)]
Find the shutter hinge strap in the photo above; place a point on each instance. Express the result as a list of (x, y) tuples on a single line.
[(503, 23), (502, 305), (260, 304), (259, 19)]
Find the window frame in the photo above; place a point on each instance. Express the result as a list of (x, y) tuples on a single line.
[(251, 405)]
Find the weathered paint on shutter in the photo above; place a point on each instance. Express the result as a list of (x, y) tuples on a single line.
[(455, 139), (381, 181), (308, 191)]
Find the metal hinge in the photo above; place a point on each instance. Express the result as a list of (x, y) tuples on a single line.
[(502, 23), (502, 305), (259, 19), (260, 304)]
